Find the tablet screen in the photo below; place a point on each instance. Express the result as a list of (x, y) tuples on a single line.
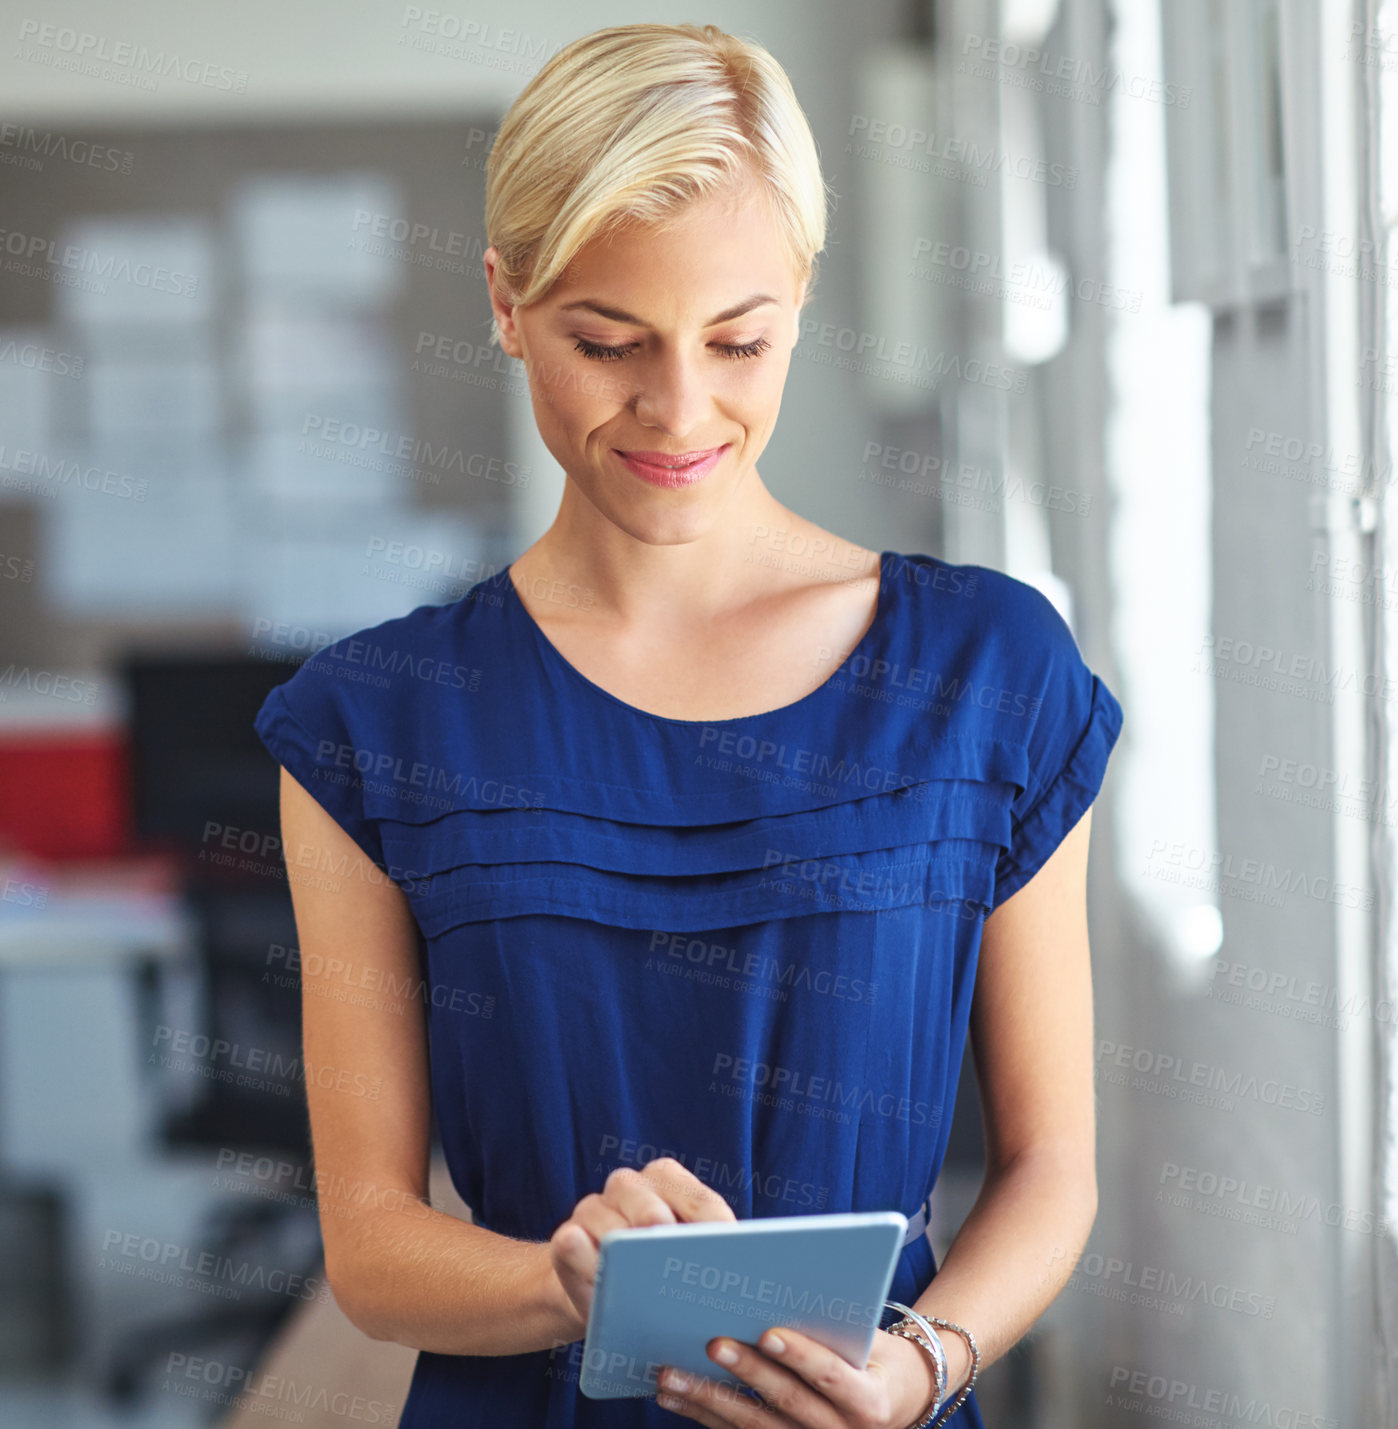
[(662, 1292)]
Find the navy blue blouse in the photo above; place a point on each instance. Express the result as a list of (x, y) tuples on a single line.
[(748, 943)]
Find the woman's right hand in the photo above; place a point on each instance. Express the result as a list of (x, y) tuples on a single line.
[(662, 1192)]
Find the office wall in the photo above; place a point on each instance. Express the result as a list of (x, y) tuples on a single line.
[(329, 63)]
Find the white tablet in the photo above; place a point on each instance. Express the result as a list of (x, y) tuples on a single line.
[(663, 1292)]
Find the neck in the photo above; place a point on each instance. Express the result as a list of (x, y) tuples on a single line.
[(676, 574)]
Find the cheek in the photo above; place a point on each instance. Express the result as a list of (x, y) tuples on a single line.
[(577, 392), (556, 396), (570, 408), (754, 400)]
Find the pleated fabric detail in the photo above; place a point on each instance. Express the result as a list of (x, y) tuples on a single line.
[(933, 842)]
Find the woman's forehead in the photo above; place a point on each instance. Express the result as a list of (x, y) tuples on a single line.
[(729, 263)]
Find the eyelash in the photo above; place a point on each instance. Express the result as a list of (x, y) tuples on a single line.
[(733, 351)]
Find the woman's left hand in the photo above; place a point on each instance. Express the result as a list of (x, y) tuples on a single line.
[(807, 1386)]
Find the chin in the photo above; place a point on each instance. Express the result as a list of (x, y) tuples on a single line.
[(673, 529), (655, 515)]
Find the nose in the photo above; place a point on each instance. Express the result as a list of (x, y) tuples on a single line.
[(673, 396)]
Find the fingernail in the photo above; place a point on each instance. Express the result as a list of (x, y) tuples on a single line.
[(774, 1343), (675, 1380), (726, 1354)]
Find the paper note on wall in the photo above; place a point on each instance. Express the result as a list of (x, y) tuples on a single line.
[(319, 239), (155, 269), (141, 532), (355, 570), (28, 398)]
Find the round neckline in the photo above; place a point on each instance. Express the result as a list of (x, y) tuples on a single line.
[(552, 652)]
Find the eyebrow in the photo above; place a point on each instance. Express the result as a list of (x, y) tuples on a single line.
[(616, 314)]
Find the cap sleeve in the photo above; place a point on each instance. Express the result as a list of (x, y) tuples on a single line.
[(1075, 726), (307, 724)]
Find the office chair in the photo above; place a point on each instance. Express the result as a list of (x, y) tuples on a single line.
[(196, 761)]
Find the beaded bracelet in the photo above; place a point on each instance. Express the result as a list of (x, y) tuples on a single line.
[(966, 1335), (907, 1330)]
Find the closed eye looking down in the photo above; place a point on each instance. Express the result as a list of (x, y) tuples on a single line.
[(603, 353)]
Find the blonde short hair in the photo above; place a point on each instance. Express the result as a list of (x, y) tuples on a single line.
[(627, 124)]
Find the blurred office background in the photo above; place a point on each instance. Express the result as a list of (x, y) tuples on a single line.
[(1105, 305)]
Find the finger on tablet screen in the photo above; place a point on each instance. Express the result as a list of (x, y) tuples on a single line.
[(597, 1213), (685, 1194), (635, 1198)]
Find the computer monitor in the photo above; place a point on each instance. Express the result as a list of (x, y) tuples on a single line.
[(200, 778)]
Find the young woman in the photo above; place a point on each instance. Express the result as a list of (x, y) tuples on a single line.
[(670, 866)]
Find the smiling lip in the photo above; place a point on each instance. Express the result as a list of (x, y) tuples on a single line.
[(669, 468)]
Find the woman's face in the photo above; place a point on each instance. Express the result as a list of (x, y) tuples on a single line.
[(663, 346)]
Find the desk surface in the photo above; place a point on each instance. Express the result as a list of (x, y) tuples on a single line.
[(55, 915)]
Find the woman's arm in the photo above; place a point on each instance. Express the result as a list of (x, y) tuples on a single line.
[(399, 1269), (1031, 1038)]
